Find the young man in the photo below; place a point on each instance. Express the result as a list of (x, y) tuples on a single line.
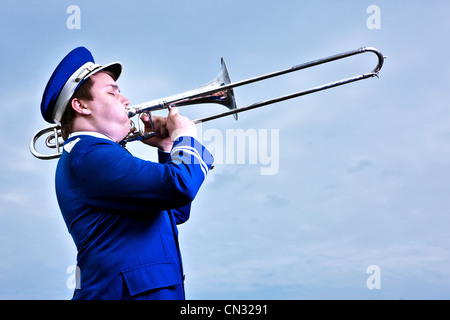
[(121, 211)]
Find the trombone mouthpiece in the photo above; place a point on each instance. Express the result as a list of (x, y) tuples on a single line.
[(131, 112), (132, 126)]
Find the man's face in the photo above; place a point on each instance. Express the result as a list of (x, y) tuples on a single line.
[(108, 107)]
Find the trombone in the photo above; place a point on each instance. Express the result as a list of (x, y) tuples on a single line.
[(219, 90)]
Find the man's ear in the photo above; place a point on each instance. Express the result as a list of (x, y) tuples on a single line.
[(80, 107)]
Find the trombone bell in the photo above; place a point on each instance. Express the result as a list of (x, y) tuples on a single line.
[(208, 93), (223, 97)]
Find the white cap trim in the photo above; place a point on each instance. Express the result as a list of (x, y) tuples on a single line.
[(67, 92), (85, 71)]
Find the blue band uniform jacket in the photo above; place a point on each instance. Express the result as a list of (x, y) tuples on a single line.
[(122, 212)]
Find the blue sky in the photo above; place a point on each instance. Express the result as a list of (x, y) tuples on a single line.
[(362, 170)]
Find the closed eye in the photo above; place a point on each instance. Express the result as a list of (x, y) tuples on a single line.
[(114, 89)]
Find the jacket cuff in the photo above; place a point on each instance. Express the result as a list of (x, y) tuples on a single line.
[(188, 150)]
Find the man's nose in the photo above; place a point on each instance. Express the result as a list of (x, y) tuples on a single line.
[(125, 101)]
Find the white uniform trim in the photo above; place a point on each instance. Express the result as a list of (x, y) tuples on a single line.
[(89, 133), (69, 146)]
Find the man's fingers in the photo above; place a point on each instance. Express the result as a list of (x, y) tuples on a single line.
[(173, 111), (145, 117)]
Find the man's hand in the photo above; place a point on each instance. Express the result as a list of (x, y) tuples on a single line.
[(179, 125), (167, 129), (161, 139)]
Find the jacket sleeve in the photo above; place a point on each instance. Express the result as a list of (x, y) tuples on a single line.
[(109, 177), (181, 214)]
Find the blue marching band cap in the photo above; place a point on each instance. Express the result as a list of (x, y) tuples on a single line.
[(71, 72)]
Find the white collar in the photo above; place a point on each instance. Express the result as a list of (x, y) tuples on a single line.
[(89, 133)]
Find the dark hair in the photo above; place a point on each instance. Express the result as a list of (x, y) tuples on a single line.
[(83, 93)]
